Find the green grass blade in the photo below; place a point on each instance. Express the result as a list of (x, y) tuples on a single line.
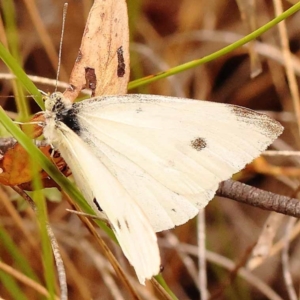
[(47, 256), (217, 54), (11, 286), (19, 259), (9, 16), (163, 283), (14, 66)]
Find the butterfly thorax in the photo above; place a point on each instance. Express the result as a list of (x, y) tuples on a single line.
[(58, 110), (61, 109)]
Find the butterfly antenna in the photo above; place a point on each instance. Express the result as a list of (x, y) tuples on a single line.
[(61, 42), (43, 93)]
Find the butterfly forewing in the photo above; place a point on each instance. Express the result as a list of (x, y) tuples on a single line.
[(170, 154)]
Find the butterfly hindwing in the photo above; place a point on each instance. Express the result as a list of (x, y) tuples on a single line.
[(108, 198)]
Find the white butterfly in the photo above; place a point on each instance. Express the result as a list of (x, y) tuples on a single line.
[(148, 163)]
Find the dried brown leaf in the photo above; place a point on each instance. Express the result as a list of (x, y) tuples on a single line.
[(104, 49)]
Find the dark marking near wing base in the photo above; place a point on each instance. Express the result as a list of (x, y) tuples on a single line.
[(97, 204), (67, 116), (90, 79), (199, 144), (119, 225), (121, 62), (127, 225)]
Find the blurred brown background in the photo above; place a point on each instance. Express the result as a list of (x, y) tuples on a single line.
[(165, 34)]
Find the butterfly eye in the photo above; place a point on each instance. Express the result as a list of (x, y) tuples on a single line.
[(49, 103)]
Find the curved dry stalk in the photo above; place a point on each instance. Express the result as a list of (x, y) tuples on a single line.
[(229, 265), (281, 153), (278, 246), (159, 288), (37, 79), (17, 219), (202, 277), (118, 269), (291, 76), (186, 260), (61, 272), (108, 279), (232, 275), (264, 244), (74, 274), (285, 261), (62, 279), (43, 34)]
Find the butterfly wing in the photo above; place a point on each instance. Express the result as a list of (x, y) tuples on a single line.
[(108, 197), (170, 154)]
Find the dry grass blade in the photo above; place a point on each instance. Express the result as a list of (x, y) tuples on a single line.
[(249, 16), (25, 280), (285, 261), (43, 34), (288, 62), (164, 295), (56, 253), (118, 269), (264, 244), (202, 273)]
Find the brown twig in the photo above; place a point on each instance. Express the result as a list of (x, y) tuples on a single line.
[(259, 198)]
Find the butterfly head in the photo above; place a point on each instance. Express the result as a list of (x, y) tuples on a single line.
[(56, 102)]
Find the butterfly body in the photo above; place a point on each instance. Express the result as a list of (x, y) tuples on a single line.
[(148, 163)]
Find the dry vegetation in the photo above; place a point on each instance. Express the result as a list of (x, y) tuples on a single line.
[(165, 34)]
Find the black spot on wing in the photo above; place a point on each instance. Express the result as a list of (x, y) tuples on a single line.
[(198, 144), (97, 204)]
